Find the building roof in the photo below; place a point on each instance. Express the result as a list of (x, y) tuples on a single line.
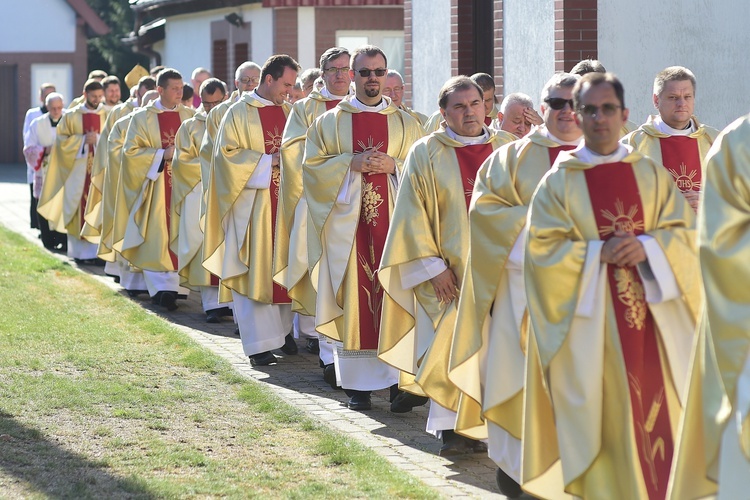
[(165, 8), (91, 18)]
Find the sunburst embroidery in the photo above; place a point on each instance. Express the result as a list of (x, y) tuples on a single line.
[(684, 180), (273, 143), (621, 221), (169, 137), (468, 192), (370, 146)]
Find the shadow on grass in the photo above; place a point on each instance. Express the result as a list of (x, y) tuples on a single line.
[(29, 457)]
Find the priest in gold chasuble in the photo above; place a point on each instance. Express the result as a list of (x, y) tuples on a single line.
[(241, 209), (488, 355), (66, 187), (424, 256), (146, 189), (674, 137), (353, 155), (714, 444), (613, 294)]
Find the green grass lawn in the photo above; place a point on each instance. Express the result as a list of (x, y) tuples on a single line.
[(101, 399)]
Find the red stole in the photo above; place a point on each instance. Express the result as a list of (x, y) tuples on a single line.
[(616, 201), (470, 158), (331, 104), (272, 121), (554, 152), (370, 133), (682, 158), (91, 123), (488, 120), (169, 123)]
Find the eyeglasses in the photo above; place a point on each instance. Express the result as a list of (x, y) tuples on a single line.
[(607, 109), (245, 80), (333, 70), (364, 73), (558, 103)]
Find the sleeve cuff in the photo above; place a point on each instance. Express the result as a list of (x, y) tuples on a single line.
[(418, 271), (261, 178)]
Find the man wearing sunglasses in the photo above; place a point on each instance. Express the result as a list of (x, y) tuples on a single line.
[(241, 207), (353, 156), (674, 137), (613, 290), (493, 302), (290, 268)]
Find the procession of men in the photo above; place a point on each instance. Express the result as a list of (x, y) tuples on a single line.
[(560, 285)]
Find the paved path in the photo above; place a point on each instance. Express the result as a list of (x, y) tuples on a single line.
[(298, 379)]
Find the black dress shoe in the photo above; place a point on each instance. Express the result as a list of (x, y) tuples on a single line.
[(404, 402), (329, 375), (167, 300), (290, 346), (313, 346), (454, 444), (263, 359), (213, 316), (225, 311), (360, 401), (508, 486)]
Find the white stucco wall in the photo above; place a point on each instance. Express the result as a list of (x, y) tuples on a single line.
[(639, 38), (431, 49), (528, 46), (187, 42), (38, 26)]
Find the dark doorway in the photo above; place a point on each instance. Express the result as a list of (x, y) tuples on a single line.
[(10, 129)]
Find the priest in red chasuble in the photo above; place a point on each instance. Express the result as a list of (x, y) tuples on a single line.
[(146, 188), (613, 290), (241, 205), (353, 157), (674, 137), (66, 187), (425, 256)]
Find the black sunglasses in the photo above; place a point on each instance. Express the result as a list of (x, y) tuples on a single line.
[(364, 73), (558, 103)]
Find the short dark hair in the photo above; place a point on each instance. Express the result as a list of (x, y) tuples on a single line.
[(211, 85), (275, 66), (187, 91), (165, 75), (588, 66), (594, 79), (369, 51), (485, 81), (331, 54), (92, 85), (110, 80), (147, 82), (461, 82)]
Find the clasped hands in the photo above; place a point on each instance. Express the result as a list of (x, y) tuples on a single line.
[(446, 286), (624, 250), (373, 162)]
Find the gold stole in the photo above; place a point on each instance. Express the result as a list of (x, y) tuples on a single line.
[(613, 185)]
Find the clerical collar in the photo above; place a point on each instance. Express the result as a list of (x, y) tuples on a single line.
[(161, 107), (327, 94), (662, 127), (263, 100), (468, 141), (54, 122), (384, 103), (546, 133), (43, 108), (588, 156), (86, 109)]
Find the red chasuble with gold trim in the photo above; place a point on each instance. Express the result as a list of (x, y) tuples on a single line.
[(470, 158), (370, 133), (91, 123), (616, 201), (682, 158), (273, 120), (169, 123)]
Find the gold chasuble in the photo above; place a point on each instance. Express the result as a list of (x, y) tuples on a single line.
[(429, 222), (714, 442), (92, 228), (682, 155), (488, 353), (239, 221), (186, 237), (349, 213), (146, 240), (606, 370), (291, 268), (65, 190), (114, 208)]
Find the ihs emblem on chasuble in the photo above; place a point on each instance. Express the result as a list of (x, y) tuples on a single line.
[(684, 180), (621, 221), (169, 137), (273, 143), (370, 146)]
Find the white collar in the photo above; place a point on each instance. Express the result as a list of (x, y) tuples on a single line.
[(161, 107), (468, 141), (327, 94), (384, 103), (263, 100), (545, 132), (588, 156), (662, 127)]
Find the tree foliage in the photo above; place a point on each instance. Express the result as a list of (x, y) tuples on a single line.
[(107, 52)]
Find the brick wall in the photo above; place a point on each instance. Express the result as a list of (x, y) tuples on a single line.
[(498, 40), (285, 32), (576, 32), (330, 19), (408, 75), (462, 46)]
